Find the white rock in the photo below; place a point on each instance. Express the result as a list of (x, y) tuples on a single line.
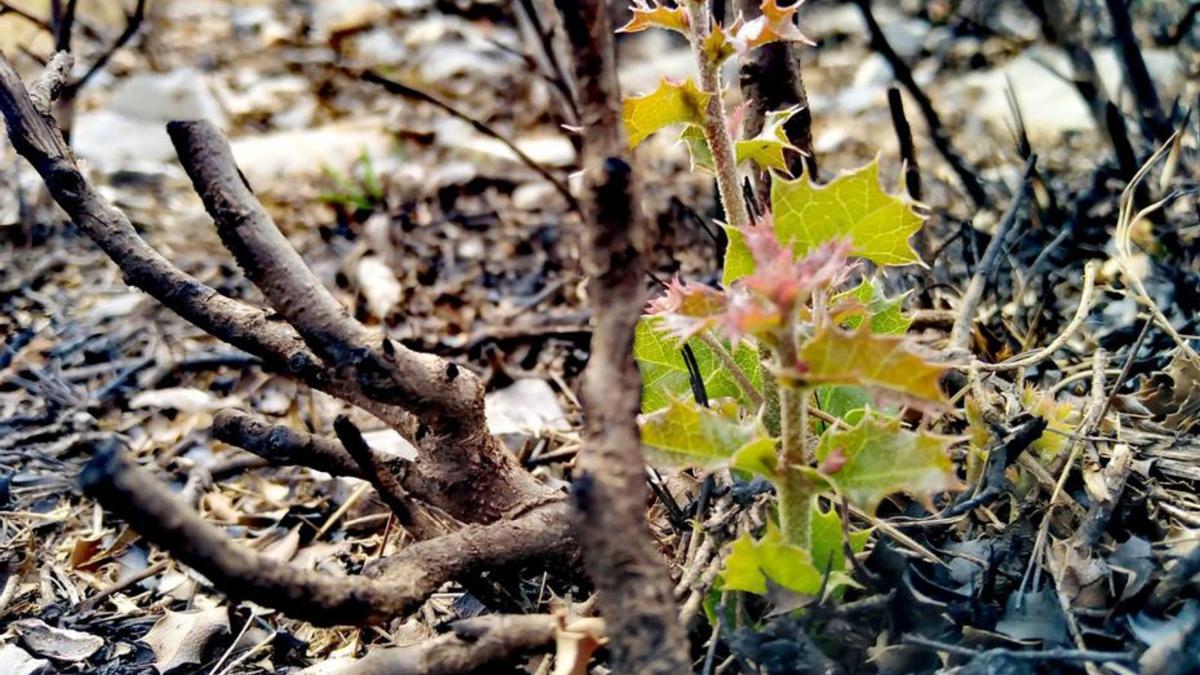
[(275, 158), (131, 131), (525, 406)]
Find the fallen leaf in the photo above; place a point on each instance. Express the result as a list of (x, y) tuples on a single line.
[(60, 644), (17, 661), (183, 638)]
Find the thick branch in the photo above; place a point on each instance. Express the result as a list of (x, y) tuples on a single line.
[(470, 645), (634, 592), (418, 382), (403, 581), (155, 513), (35, 136)]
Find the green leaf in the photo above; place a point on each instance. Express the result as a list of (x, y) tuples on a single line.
[(686, 434), (840, 400), (756, 457), (827, 545), (877, 458), (672, 103), (751, 562), (852, 205), (768, 149), (835, 356), (665, 375), (867, 300)]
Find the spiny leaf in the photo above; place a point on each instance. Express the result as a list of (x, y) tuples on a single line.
[(852, 206), (665, 374), (835, 356), (1059, 416), (653, 15), (672, 103), (756, 457), (867, 300), (751, 562), (776, 24), (827, 535), (687, 434), (879, 458), (768, 149)]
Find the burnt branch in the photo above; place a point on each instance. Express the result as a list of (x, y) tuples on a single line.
[(610, 495), (397, 584), (937, 131), (36, 137), (1155, 124), (468, 474), (156, 514), (470, 645)]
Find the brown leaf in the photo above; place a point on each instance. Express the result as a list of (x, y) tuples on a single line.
[(183, 638)]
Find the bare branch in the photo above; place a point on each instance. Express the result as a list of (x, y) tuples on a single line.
[(34, 134), (155, 513), (470, 645), (402, 581), (634, 592), (282, 445), (468, 474)]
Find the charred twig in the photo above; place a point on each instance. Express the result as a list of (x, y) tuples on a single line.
[(1182, 28), (1061, 31), (1155, 124), (144, 502), (469, 646), (908, 152), (394, 87), (133, 21), (960, 335), (1069, 655), (33, 132), (1002, 452), (937, 132), (609, 491)]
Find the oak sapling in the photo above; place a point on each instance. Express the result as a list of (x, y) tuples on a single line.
[(784, 318)]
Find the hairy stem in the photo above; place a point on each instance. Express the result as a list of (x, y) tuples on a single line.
[(735, 371), (720, 142)]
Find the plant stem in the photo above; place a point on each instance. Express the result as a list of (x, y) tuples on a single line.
[(796, 495), (795, 486), (720, 142), (735, 371)]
